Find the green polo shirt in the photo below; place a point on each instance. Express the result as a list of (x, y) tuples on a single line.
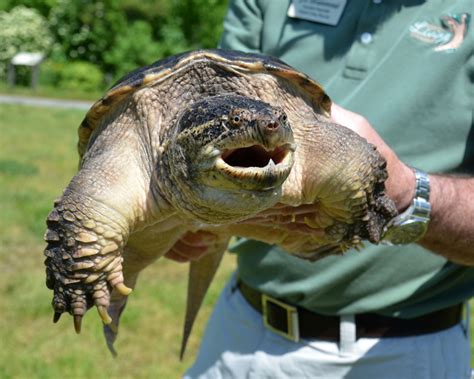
[(412, 76)]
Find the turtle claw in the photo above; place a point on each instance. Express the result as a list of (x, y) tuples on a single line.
[(123, 289), (77, 323), (56, 317), (104, 315)]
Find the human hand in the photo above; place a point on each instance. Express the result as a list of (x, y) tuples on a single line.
[(191, 247), (288, 218)]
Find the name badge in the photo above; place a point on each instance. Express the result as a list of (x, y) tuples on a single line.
[(327, 12)]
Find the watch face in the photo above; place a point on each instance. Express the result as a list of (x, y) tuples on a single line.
[(405, 233), (411, 225)]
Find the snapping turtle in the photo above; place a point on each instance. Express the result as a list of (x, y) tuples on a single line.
[(204, 140)]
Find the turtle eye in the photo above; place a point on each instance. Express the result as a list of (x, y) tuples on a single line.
[(235, 120), (283, 117)]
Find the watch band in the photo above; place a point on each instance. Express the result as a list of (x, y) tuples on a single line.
[(422, 188), (421, 200), (412, 224)]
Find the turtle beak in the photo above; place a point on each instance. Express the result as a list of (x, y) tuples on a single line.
[(256, 168)]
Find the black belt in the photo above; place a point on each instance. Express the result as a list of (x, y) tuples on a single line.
[(295, 322)]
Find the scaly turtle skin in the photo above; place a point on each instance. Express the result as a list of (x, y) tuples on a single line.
[(204, 140)]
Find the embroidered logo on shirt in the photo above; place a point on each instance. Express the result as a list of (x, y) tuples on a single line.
[(447, 37)]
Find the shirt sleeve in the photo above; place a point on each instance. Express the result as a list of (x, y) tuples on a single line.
[(242, 26)]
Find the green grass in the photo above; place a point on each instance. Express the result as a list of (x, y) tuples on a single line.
[(37, 159), (50, 92)]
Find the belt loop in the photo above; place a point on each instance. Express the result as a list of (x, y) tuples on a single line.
[(466, 319), (234, 282), (347, 338)]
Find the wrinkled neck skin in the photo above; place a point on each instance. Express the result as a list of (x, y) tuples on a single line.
[(189, 181)]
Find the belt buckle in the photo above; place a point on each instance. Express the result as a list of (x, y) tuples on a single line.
[(293, 329)]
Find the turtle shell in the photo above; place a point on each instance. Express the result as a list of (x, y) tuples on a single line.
[(173, 66)]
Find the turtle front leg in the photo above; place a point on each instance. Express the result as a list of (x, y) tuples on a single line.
[(344, 176), (83, 257)]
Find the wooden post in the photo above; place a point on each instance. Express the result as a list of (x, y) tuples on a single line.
[(11, 75), (32, 60), (34, 75)]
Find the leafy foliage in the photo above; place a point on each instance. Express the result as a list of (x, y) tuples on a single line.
[(81, 76), (200, 21), (22, 29), (42, 6), (85, 29), (137, 43), (119, 35)]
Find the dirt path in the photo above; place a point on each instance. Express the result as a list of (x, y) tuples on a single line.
[(44, 102)]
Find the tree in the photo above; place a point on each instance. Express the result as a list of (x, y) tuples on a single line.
[(22, 29)]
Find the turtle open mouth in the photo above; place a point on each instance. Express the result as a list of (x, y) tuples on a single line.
[(255, 167), (254, 156)]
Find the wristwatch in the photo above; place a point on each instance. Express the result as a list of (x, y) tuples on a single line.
[(412, 224)]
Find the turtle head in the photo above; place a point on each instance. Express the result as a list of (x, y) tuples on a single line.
[(228, 157)]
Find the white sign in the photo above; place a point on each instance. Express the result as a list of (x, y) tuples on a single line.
[(27, 59)]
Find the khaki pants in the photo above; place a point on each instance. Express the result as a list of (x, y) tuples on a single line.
[(237, 345)]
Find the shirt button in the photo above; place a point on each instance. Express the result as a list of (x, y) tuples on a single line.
[(366, 38), (377, 1)]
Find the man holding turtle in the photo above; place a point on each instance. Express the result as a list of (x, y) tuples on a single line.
[(387, 311)]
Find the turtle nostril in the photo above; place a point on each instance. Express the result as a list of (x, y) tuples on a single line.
[(273, 125)]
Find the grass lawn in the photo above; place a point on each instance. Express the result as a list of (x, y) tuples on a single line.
[(37, 159)]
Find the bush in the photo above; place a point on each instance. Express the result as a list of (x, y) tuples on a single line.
[(119, 35), (50, 73), (85, 29), (133, 49), (75, 76), (22, 29), (42, 6), (80, 76), (201, 21), (115, 35)]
